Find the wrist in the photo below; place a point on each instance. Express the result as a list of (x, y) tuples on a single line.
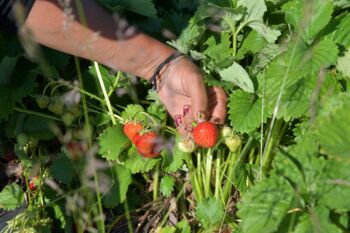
[(151, 57)]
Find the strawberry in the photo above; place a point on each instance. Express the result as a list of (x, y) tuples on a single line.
[(205, 134), (233, 142), (67, 118), (131, 129), (186, 146), (56, 106), (43, 101), (136, 138), (33, 183), (146, 144)]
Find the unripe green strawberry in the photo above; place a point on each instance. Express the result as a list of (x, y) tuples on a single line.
[(75, 110), (43, 101), (22, 139), (226, 131), (56, 106), (233, 142), (67, 118), (186, 146)]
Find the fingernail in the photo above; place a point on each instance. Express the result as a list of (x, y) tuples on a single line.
[(186, 109), (178, 120)]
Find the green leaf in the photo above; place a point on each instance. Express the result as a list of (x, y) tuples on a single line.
[(268, 33), (238, 76), (173, 161), (167, 185), (219, 52), (21, 84), (184, 226), (321, 55), (113, 142), (121, 180), (210, 212), (189, 36), (38, 127), (107, 77), (317, 220), (136, 163), (254, 18), (134, 112), (254, 42), (255, 9), (57, 59), (333, 126), (7, 66), (264, 57), (284, 76), (308, 17), (296, 100), (343, 64), (157, 110), (342, 33), (62, 169), (11, 197), (265, 205), (166, 229), (245, 111), (336, 183), (141, 7)]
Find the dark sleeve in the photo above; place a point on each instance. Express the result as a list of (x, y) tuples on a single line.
[(7, 18)]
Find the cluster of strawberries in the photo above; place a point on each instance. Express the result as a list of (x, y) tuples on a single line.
[(205, 135)]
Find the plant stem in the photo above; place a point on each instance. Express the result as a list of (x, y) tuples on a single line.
[(156, 182), (115, 83), (274, 140), (99, 204), (193, 177), (234, 163), (83, 98), (104, 91), (127, 215), (44, 115), (217, 176), (208, 166)]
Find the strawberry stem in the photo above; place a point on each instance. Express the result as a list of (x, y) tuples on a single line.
[(217, 175), (156, 182), (208, 166)]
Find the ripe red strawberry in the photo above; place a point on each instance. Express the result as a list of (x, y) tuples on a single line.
[(136, 138), (33, 183), (205, 134), (131, 129), (146, 144)]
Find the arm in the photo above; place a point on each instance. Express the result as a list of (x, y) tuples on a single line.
[(138, 54)]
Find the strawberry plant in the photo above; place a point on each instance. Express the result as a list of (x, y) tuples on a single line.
[(87, 149)]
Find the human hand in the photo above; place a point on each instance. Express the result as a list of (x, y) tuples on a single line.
[(187, 99)]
